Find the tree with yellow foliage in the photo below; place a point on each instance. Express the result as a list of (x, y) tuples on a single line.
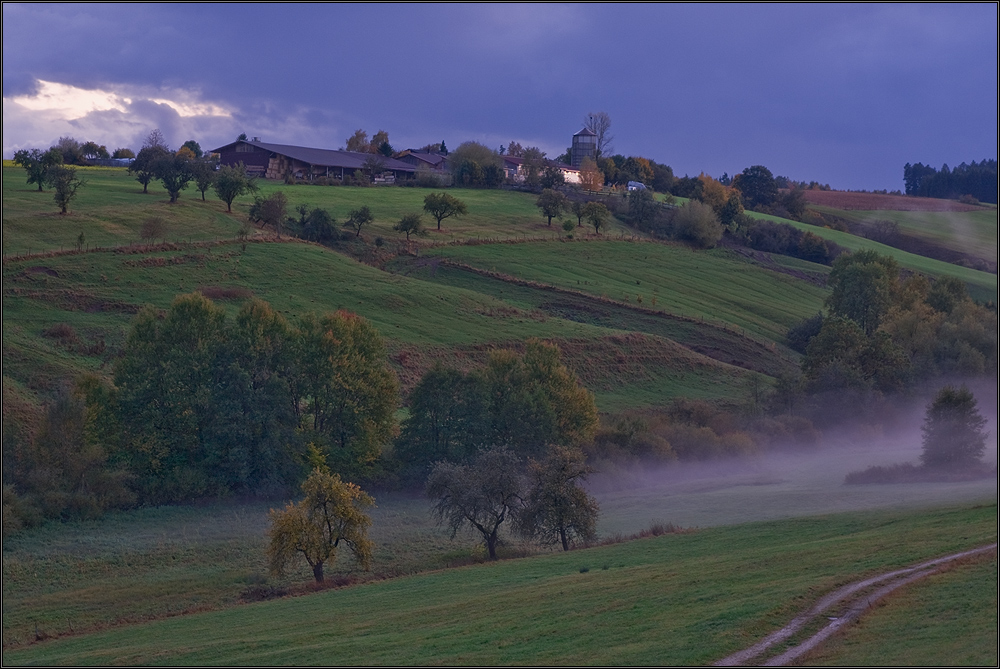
[(331, 513), (591, 177)]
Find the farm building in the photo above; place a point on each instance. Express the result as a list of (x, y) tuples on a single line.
[(431, 161), (514, 168), (276, 161)]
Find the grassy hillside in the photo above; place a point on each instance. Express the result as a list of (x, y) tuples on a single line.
[(715, 286), (675, 599), (973, 232), (97, 293), (982, 286), (111, 208), (950, 619)]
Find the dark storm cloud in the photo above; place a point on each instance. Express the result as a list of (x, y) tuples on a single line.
[(843, 94)]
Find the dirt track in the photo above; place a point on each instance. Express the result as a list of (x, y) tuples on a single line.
[(859, 598)]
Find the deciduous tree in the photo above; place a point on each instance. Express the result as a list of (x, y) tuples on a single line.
[(697, 223), (65, 183), (359, 218), (358, 142), (591, 178), (597, 215), (343, 390), (271, 210), (232, 181), (174, 172), (443, 205), (37, 164), (552, 204), (332, 513), (481, 495), (203, 173), (599, 123), (557, 509), (411, 224), (953, 430), (757, 187), (448, 419), (145, 164), (863, 284)]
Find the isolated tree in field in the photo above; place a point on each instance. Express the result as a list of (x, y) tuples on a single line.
[(37, 164), (597, 215), (144, 167), (332, 513), (65, 183), (233, 181), (443, 205), (411, 224), (174, 172), (552, 204), (359, 218), (271, 210), (203, 174), (599, 123), (953, 430), (481, 495), (557, 509)]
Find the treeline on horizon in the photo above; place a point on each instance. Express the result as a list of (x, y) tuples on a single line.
[(976, 181)]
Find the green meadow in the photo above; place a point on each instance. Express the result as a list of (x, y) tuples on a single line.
[(97, 293), (715, 286), (972, 232), (687, 598), (982, 285), (111, 208)]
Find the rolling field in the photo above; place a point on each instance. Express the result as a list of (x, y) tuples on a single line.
[(685, 598), (111, 208), (982, 286), (97, 293), (713, 286), (950, 619), (973, 232)]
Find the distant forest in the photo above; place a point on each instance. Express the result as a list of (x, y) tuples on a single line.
[(978, 180)]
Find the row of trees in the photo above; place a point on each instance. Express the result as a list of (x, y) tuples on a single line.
[(201, 404), (543, 502), (977, 180)]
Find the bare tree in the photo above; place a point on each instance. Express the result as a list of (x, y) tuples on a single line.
[(599, 123), (155, 140)]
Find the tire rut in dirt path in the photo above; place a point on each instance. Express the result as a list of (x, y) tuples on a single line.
[(893, 579)]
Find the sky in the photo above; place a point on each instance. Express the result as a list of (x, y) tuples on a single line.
[(841, 94)]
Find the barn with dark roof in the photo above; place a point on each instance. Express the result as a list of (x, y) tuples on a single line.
[(276, 161)]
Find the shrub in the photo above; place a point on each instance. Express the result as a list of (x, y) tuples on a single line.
[(153, 227), (698, 224)]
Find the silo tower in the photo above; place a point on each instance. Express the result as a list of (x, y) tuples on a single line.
[(584, 144)]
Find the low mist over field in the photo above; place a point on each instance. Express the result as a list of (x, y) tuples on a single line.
[(796, 481)]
